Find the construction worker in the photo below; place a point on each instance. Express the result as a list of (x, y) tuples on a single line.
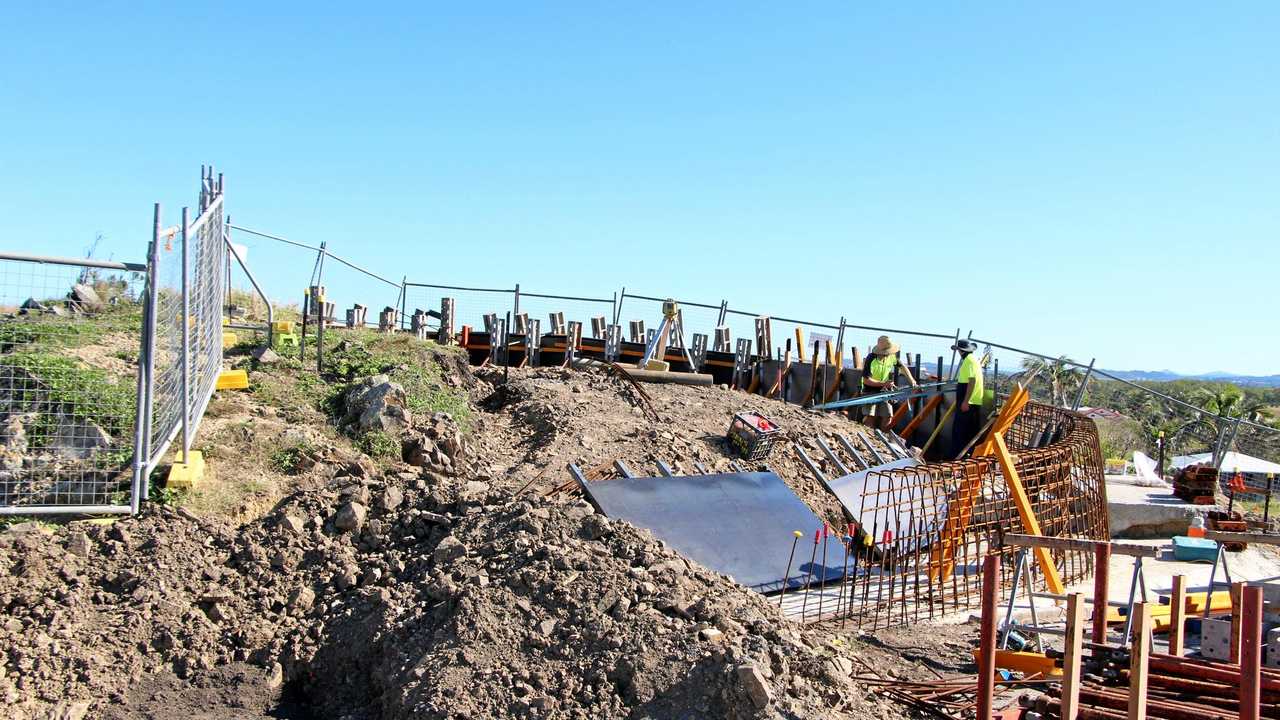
[(968, 415), (880, 374)]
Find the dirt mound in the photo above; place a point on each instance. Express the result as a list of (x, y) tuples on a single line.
[(542, 418), (399, 596), (529, 608), (365, 587)]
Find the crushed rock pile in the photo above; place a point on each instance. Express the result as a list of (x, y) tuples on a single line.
[(405, 594)]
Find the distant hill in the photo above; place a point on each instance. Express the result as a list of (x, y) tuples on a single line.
[(1169, 375)]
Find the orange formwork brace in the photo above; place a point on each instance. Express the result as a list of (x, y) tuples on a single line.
[(928, 409), (942, 560)]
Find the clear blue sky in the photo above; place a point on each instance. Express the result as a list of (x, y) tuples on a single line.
[(1096, 179)]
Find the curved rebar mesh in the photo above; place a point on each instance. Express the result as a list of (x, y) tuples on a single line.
[(924, 530)]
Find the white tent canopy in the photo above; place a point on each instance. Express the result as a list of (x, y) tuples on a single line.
[(1233, 461)]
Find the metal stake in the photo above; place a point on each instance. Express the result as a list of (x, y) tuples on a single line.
[(787, 575), (808, 576), (822, 583)]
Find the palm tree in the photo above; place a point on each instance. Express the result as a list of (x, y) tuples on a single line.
[(1062, 376), (1224, 400)]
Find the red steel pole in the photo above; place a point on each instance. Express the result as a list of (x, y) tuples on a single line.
[(1101, 566), (1251, 653), (987, 659)]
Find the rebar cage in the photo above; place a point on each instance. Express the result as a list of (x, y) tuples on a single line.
[(904, 566)]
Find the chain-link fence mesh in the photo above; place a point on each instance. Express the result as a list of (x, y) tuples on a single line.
[(696, 317), (540, 306), (69, 359), (166, 362), (470, 304), (207, 257)]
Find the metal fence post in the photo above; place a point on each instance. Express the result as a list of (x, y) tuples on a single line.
[(146, 371), (516, 311), (617, 309), (186, 342), (1225, 447), (404, 296), (951, 372), (1083, 383), (404, 290)]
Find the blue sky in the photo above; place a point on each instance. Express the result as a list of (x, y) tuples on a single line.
[(1096, 179)]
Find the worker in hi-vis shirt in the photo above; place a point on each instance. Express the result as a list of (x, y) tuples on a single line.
[(880, 374), (968, 415)]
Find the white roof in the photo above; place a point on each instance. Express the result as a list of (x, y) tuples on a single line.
[(1232, 462)]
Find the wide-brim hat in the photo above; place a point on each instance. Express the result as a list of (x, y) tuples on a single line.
[(884, 346), (965, 346)]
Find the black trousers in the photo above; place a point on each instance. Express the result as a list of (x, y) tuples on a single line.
[(964, 427)]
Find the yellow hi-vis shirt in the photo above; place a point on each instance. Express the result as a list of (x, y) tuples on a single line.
[(971, 373), (882, 367)]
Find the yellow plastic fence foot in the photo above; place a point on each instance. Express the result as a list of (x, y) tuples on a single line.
[(1028, 663), (233, 380), (229, 340), (186, 476)]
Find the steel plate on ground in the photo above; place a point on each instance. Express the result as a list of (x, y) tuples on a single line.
[(738, 524)]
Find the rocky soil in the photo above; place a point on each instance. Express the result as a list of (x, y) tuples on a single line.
[(426, 587)]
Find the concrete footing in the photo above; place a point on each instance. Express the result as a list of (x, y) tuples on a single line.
[(1147, 512)]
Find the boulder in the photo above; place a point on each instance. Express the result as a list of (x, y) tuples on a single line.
[(13, 432), (377, 404), (293, 524), (84, 297), (265, 356), (449, 549), (79, 439), (350, 517)]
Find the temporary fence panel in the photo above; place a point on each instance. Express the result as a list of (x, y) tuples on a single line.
[(69, 383), (185, 329), (207, 255)]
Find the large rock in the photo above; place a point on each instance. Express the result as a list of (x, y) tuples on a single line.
[(79, 439), (265, 355), (377, 404), (84, 297), (351, 517), (753, 681), (13, 432)]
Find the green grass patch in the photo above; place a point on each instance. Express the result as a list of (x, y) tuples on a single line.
[(413, 363), (47, 332), (54, 385), (288, 460), (379, 445)]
